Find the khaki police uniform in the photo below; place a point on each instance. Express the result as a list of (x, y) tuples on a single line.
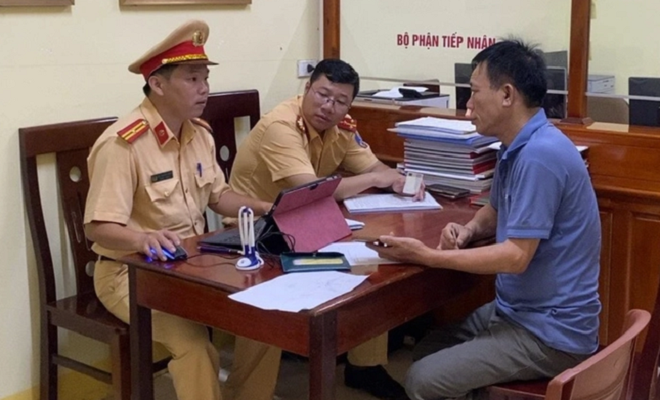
[(283, 144), (143, 177)]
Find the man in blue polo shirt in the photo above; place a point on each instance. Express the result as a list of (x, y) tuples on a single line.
[(544, 215)]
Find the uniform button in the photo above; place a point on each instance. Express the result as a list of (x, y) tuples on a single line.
[(167, 194)]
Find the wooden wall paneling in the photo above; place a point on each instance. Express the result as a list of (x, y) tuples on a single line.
[(644, 274), (621, 162)]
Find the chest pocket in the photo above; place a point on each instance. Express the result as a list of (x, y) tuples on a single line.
[(206, 178), (161, 191)]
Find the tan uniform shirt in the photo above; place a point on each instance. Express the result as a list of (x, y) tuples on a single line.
[(282, 144), (156, 182)]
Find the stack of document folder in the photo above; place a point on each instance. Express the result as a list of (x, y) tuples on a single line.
[(448, 152)]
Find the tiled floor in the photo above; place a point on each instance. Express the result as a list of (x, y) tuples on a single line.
[(293, 380)]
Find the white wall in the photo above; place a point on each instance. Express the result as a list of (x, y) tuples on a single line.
[(624, 40), (369, 40), (70, 63)]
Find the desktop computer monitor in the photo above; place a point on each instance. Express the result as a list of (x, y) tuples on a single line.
[(462, 74), (555, 58), (555, 104), (644, 112)]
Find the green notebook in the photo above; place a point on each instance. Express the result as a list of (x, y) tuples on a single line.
[(305, 262)]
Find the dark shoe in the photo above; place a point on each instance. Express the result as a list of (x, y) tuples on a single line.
[(375, 381)]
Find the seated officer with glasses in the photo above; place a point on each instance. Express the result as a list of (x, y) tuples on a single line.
[(306, 138)]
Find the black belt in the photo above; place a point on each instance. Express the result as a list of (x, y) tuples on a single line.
[(104, 258)]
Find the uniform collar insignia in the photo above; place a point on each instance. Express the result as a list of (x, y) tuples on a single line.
[(300, 124), (161, 133)]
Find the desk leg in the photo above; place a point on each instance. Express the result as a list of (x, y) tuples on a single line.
[(141, 352), (322, 356)]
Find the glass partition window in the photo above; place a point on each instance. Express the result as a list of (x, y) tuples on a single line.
[(391, 42), (624, 67)]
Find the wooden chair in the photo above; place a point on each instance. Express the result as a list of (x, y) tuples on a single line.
[(644, 384), (604, 376), (82, 313), (644, 381), (221, 110)]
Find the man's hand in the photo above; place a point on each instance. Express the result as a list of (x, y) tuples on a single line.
[(158, 241), (403, 249), (394, 179), (454, 236)]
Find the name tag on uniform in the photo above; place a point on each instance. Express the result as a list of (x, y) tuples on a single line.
[(163, 176)]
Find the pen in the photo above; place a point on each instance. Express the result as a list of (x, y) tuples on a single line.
[(199, 169)]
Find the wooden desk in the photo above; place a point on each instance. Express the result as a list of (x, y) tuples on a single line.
[(198, 290)]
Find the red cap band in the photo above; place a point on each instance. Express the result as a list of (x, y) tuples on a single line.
[(185, 51)]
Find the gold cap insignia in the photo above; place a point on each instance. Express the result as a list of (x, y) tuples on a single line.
[(198, 38)]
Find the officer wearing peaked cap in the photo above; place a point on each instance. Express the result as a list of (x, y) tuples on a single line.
[(152, 175)]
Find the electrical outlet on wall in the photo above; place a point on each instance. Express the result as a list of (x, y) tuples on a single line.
[(305, 67)]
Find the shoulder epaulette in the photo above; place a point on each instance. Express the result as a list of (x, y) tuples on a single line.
[(134, 130), (300, 124), (202, 123), (348, 124)]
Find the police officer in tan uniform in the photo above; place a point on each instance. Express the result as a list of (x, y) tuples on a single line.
[(152, 175), (303, 139)]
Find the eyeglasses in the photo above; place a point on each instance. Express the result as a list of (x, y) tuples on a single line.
[(338, 105)]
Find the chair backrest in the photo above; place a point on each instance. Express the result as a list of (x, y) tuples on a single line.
[(606, 374), (645, 378), (221, 111), (70, 142)]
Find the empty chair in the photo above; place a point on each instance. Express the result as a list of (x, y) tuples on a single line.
[(82, 313)]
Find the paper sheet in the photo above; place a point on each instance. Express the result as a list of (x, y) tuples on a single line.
[(394, 93), (357, 253), (354, 225), (298, 291), (382, 202)]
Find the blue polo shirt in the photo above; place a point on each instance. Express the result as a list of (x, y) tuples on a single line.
[(542, 190)]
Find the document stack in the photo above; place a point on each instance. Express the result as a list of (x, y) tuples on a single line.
[(448, 152)]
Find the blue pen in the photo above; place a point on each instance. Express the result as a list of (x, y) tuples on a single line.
[(199, 169)]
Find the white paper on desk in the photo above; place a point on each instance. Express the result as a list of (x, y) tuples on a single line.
[(357, 253), (299, 290), (353, 224), (382, 202), (394, 93)]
